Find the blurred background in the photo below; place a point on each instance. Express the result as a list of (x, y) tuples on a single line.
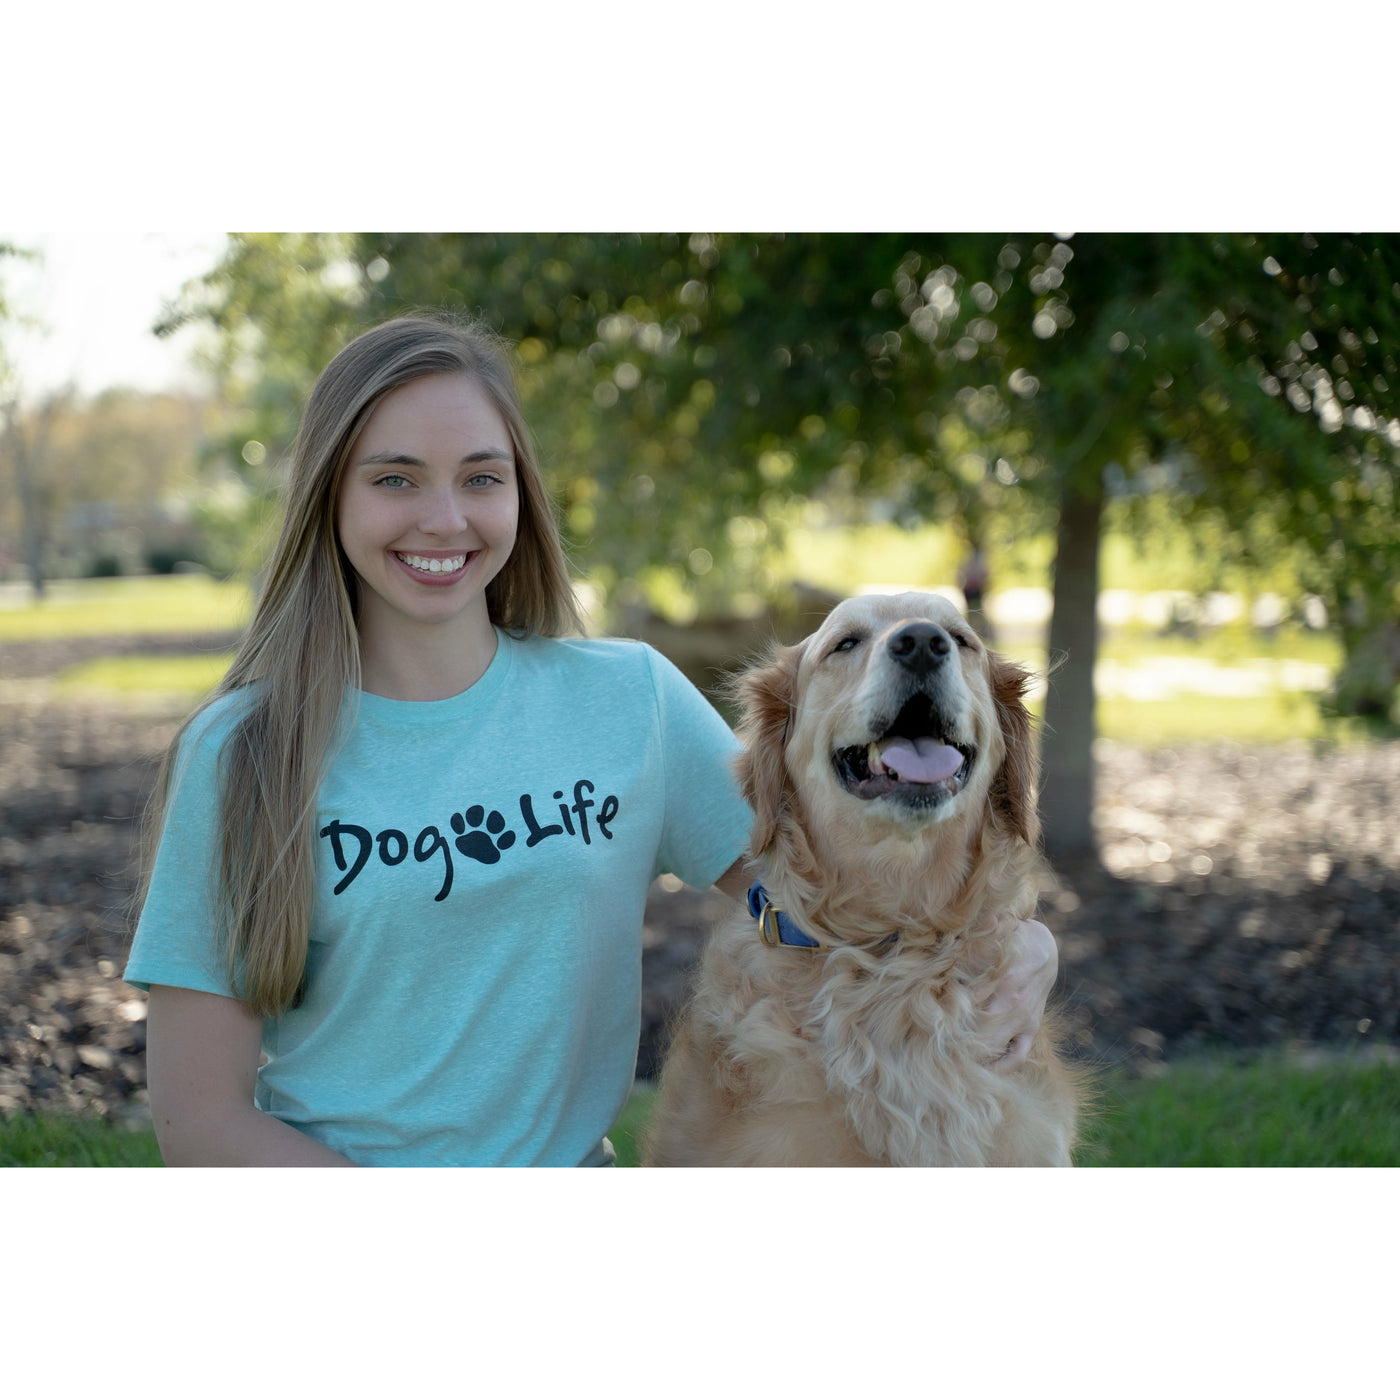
[(1161, 469)]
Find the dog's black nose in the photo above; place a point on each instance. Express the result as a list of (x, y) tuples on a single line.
[(920, 646)]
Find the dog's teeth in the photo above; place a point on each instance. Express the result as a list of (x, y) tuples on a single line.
[(872, 759)]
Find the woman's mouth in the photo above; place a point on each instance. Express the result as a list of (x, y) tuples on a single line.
[(429, 564), (434, 569)]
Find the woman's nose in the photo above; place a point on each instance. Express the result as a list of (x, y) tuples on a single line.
[(443, 513)]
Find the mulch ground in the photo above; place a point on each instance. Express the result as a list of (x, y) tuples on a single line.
[(1245, 899)]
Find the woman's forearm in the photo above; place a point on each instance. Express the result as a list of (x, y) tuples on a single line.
[(241, 1136)]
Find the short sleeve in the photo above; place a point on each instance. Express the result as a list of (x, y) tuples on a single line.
[(707, 821), (176, 942)]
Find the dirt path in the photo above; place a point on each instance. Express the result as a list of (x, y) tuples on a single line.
[(1251, 898)]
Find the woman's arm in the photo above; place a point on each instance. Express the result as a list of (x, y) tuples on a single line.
[(201, 1064), (736, 880)]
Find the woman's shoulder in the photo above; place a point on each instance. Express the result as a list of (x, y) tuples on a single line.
[(208, 729), (610, 666), (585, 655)]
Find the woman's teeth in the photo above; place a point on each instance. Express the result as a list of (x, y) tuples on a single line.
[(434, 566)]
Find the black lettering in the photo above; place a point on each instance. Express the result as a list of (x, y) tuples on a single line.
[(605, 814), (425, 848), (564, 815), (537, 832), (581, 806), (384, 838), (335, 830)]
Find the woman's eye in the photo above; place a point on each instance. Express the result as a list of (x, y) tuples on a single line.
[(483, 479), (846, 644), (394, 480)]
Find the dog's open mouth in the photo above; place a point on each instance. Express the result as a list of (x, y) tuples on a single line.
[(915, 761)]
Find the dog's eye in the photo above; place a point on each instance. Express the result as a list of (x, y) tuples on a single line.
[(846, 644)]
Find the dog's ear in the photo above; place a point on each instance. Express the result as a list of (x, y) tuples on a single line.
[(1014, 787), (765, 695)]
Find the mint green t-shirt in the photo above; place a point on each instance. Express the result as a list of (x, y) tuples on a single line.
[(473, 988)]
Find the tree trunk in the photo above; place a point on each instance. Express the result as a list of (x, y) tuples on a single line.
[(27, 458), (1067, 744)]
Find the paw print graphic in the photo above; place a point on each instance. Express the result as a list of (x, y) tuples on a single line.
[(484, 846)]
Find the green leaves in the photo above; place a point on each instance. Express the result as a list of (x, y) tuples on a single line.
[(679, 381)]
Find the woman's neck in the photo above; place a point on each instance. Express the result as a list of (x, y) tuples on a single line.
[(428, 663)]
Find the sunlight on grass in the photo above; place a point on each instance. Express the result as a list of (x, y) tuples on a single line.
[(142, 606), (176, 677), (1267, 719)]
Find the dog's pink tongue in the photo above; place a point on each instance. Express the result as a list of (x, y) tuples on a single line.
[(920, 760)]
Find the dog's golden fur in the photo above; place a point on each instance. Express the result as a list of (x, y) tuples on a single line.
[(871, 1052)]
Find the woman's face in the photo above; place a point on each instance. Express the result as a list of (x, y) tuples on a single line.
[(428, 511)]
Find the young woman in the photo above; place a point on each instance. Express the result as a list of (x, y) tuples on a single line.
[(403, 853)]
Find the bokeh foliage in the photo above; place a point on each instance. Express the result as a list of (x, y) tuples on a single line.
[(692, 391)]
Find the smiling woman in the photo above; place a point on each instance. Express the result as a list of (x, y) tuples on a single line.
[(410, 777), (428, 515)]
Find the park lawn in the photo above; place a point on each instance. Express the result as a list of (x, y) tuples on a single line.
[(183, 678), (1266, 719), (1272, 1111), (166, 603), (38, 1140)]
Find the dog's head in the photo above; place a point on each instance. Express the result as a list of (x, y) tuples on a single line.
[(891, 720)]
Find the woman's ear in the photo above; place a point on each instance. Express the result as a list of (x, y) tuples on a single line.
[(1014, 787), (765, 696)]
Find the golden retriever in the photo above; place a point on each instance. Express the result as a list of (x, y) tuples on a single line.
[(890, 766)]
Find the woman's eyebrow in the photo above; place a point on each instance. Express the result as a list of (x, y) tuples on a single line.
[(405, 459)]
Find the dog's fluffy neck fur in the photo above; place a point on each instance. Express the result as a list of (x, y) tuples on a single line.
[(956, 893)]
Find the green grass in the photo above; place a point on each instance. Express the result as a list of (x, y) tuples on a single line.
[(129, 606), (1231, 644), (30, 1140), (129, 677), (1268, 719), (1273, 1111), (626, 1133)]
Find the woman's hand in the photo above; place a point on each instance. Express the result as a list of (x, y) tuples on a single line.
[(1014, 1009)]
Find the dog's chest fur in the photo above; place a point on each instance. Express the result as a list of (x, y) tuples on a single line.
[(885, 1042)]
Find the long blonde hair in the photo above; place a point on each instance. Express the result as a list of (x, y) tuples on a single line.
[(301, 658)]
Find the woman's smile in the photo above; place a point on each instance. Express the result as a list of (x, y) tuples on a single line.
[(437, 568), (428, 512)]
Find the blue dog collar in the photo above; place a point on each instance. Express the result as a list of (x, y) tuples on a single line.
[(774, 927), (778, 931)]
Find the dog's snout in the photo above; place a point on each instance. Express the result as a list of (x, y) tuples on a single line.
[(920, 646)]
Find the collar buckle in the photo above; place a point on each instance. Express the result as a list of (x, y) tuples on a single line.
[(774, 927)]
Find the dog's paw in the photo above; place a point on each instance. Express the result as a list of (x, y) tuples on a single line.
[(484, 846)]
